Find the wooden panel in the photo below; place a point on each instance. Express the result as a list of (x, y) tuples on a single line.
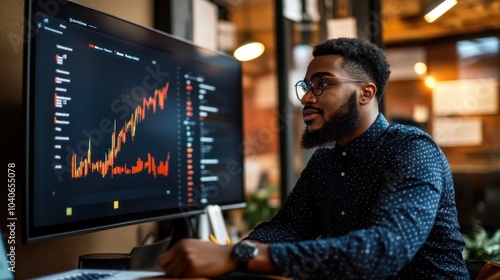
[(401, 98), (442, 60), (403, 20)]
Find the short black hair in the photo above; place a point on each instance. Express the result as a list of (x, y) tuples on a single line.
[(362, 60)]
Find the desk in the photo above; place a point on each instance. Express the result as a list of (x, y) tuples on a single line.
[(231, 276)]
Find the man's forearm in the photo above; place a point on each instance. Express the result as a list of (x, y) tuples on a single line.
[(263, 263)]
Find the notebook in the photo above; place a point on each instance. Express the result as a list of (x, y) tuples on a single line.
[(76, 274)]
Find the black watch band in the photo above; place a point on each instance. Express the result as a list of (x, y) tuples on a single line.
[(243, 252), (242, 266)]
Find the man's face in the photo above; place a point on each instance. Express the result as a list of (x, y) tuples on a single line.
[(334, 114)]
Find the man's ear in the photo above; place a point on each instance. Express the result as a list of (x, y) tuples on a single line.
[(368, 93)]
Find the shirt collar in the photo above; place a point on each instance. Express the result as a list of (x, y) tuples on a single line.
[(363, 143)]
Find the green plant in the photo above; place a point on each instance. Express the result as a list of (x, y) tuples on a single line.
[(482, 246), (259, 207)]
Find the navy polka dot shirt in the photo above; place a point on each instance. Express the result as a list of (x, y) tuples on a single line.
[(380, 207)]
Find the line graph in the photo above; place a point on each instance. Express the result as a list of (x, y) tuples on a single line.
[(82, 166)]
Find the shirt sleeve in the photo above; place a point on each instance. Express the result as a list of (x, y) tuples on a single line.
[(400, 222), (295, 220)]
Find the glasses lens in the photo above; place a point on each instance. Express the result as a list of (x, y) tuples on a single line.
[(301, 89), (317, 85)]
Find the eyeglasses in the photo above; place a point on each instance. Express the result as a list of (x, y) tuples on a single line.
[(318, 83)]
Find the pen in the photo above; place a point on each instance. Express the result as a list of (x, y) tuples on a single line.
[(213, 239)]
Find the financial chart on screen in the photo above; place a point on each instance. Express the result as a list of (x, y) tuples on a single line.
[(125, 124)]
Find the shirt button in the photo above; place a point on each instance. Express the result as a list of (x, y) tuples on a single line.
[(342, 174), (343, 213), (344, 153)]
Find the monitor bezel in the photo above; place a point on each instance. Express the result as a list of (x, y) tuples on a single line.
[(32, 234)]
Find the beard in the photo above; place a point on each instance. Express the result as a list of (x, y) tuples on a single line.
[(338, 125)]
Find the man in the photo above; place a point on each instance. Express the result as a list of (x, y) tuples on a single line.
[(376, 203)]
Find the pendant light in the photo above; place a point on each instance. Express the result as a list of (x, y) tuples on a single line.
[(250, 49), (439, 9)]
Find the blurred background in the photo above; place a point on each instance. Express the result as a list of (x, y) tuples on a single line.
[(444, 80)]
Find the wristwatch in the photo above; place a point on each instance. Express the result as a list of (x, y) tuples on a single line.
[(243, 252)]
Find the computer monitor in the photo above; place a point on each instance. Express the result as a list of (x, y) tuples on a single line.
[(124, 124)]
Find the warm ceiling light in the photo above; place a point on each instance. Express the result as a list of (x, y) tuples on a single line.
[(420, 68), (430, 82), (439, 10), (249, 51)]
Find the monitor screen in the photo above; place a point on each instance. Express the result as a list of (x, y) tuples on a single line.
[(124, 124)]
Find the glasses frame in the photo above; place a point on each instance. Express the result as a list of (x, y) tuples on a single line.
[(311, 86)]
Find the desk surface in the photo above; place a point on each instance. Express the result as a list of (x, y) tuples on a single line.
[(231, 276)]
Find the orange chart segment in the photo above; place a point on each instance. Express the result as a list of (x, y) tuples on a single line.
[(150, 166), (83, 166)]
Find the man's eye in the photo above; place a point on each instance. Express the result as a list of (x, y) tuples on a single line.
[(319, 82), (322, 83)]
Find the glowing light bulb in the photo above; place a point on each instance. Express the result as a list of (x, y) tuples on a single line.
[(420, 68), (430, 82), (249, 51)]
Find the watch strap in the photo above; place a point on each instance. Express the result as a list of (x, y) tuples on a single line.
[(244, 251)]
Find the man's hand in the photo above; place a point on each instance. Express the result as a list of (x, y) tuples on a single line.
[(197, 258)]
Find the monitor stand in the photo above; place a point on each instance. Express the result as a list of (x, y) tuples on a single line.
[(142, 257), (177, 229)]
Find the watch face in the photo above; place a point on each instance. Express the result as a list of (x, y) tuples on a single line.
[(245, 250)]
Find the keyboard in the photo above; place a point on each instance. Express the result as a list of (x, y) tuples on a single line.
[(98, 274), (87, 276)]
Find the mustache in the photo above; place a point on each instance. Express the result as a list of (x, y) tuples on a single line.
[(310, 107)]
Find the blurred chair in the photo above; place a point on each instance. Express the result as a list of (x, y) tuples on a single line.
[(483, 270), (490, 217), (467, 197), (474, 267)]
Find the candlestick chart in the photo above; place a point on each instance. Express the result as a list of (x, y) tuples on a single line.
[(106, 164)]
